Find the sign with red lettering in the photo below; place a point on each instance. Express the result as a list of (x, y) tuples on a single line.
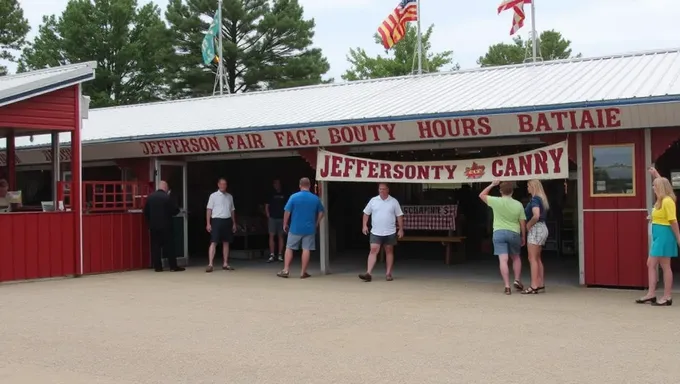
[(430, 217), (549, 162), (403, 131)]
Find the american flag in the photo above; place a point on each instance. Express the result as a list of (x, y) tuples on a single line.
[(393, 28), (519, 16)]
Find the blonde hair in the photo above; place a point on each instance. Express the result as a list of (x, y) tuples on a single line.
[(663, 190), (537, 187)]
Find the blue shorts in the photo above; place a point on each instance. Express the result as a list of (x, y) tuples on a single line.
[(506, 243), (664, 243), (308, 242)]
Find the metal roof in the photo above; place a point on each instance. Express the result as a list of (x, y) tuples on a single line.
[(633, 78), (14, 88)]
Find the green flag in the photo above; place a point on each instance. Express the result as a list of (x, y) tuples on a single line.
[(208, 47)]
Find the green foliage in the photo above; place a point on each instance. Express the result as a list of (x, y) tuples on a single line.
[(551, 44), (13, 29), (266, 43), (129, 43), (401, 60)]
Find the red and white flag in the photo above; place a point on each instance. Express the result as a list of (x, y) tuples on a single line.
[(518, 18)]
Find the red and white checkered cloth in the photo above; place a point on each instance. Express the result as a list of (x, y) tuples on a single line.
[(430, 217)]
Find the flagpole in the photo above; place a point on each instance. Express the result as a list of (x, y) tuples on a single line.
[(534, 46), (220, 69), (420, 41)]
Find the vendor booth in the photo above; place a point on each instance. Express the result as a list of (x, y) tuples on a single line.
[(611, 118)]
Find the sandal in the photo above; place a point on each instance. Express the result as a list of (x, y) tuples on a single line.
[(227, 268), (541, 289), (389, 278), (283, 274), (305, 275), (530, 291), (508, 291), (209, 269), (518, 285), (366, 277)]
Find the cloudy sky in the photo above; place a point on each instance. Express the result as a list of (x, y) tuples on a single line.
[(595, 27)]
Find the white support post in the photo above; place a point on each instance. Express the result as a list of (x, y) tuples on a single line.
[(579, 209), (324, 232)]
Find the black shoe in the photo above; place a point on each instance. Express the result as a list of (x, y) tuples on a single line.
[(666, 303), (366, 277), (158, 269), (178, 269), (646, 301)]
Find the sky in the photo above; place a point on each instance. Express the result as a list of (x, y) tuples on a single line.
[(595, 27)]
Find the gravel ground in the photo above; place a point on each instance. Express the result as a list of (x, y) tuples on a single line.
[(250, 327)]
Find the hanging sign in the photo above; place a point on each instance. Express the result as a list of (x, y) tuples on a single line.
[(549, 162)]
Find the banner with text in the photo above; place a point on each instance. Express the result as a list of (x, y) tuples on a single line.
[(549, 162), (238, 140)]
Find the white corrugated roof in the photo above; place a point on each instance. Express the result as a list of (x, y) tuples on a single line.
[(644, 76), (17, 87)]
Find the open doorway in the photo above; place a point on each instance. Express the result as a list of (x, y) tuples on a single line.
[(250, 183), (668, 165), (474, 221)]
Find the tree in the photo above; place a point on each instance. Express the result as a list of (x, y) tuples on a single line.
[(267, 45), (129, 44), (400, 61), (13, 29), (551, 45)]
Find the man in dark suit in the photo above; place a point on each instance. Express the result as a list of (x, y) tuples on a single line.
[(159, 211)]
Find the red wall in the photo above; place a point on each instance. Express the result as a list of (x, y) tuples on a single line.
[(51, 111), (114, 242), (615, 241), (37, 245)]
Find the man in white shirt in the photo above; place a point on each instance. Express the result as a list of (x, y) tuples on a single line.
[(220, 220), (384, 211)]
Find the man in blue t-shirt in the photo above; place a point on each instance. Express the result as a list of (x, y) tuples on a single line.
[(304, 211)]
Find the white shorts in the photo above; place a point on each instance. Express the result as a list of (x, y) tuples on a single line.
[(538, 234)]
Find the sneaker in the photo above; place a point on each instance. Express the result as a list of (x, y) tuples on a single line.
[(271, 259), (281, 258), (283, 274), (366, 277)]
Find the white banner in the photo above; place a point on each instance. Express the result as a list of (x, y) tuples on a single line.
[(549, 162)]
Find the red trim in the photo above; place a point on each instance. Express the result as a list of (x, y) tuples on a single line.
[(76, 177)]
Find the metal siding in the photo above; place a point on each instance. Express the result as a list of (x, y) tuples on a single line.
[(50, 111), (26, 256), (615, 241), (115, 242), (636, 76)]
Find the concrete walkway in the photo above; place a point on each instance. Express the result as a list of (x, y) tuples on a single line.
[(250, 327)]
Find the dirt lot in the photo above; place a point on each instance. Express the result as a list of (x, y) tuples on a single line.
[(253, 328)]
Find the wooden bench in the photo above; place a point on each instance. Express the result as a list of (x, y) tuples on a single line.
[(447, 241)]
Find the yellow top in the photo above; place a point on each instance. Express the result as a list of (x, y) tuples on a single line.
[(666, 214)]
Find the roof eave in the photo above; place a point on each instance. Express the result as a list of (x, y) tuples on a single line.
[(28, 90)]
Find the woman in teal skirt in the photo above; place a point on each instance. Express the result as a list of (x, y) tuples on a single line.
[(665, 241)]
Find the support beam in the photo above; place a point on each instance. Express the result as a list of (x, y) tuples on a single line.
[(77, 184), (56, 169), (579, 209), (649, 193), (324, 233), (11, 161)]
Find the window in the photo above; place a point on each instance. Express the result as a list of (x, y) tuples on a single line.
[(612, 170)]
